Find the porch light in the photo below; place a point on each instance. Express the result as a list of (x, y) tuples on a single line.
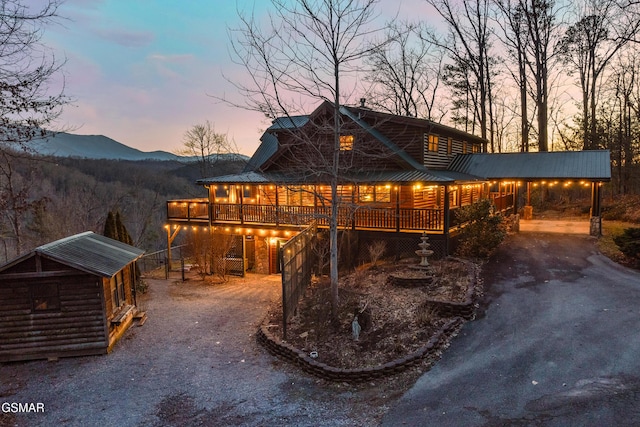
[(166, 226)]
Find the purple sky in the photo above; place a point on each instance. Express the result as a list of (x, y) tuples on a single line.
[(142, 71)]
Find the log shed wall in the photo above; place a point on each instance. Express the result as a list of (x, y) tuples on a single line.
[(56, 312)]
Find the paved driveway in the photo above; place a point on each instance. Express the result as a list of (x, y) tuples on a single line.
[(556, 344)]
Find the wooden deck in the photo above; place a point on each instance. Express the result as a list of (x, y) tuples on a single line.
[(200, 212)]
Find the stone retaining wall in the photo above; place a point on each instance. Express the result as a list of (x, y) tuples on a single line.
[(288, 352), (465, 309)]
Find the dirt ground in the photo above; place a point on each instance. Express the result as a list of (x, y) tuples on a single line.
[(195, 362)]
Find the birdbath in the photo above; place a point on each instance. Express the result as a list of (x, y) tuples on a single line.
[(424, 252)]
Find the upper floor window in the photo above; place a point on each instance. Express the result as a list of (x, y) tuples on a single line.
[(465, 148), (346, 142), (449, 146), (476, 148), (432, 143)]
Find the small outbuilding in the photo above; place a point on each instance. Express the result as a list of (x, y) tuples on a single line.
[(72, 297)]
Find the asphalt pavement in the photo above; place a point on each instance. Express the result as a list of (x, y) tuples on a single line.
[(555, 344)]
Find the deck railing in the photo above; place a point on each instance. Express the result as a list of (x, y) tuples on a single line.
[(361, 217)]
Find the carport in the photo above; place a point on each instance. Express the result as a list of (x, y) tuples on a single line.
[(588, 169)]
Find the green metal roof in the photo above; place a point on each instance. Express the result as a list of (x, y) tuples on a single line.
[(91, 252), (433, 176), (589, 165)]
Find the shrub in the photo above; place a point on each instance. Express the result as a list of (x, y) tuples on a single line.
[(482, 231), (376, 250), (629, 244)]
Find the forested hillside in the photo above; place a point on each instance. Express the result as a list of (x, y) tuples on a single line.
[(47, 198)]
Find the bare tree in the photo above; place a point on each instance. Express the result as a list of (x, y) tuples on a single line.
[(406, 73), (468, 44), (515, 38), (304, 53), (207, 145), (26, 72), (602, 30)]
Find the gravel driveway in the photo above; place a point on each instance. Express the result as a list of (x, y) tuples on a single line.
[(195, 362)]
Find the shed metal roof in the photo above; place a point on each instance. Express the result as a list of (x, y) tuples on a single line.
[(92, 253), (592, 165)]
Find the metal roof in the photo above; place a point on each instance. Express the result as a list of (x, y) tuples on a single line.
[(386, 141), (435, 176), (292, 122), (267, 148), (592, 165), (238, 178), (92, 253)]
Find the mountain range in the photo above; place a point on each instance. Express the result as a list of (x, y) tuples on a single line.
[(64, 144)]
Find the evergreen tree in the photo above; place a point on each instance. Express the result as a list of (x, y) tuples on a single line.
[(123, 234), (110, 228)]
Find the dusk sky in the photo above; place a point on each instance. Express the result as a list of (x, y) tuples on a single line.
[(143, 71)]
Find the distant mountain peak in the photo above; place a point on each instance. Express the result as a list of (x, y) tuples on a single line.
[(62, 144)]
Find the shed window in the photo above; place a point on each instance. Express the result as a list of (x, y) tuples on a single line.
[(45, 297), (117, 290)]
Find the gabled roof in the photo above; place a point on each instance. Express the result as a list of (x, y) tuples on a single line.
[(384, 140), (590, 165), (269, 141), (87, 252)]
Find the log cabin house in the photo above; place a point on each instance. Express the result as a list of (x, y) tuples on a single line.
[(396, 176), (72, 297)]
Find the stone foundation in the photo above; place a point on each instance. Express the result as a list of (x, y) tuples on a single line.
[(527, 213), (595, 226), (261, 265)]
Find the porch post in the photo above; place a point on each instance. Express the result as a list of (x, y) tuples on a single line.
[(398, 208), (595, 226), (528, 209), (277, 208), (170, 239), (242, 204), (446, 220)]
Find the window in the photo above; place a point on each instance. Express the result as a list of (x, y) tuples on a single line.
[(117, 290), (465, 149), (346, 142), (449, 146), (476, 148), (369, 193), (432, 142), (366, 193), (45, 297)]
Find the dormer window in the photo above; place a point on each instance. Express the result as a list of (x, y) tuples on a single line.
[(346, 142)]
